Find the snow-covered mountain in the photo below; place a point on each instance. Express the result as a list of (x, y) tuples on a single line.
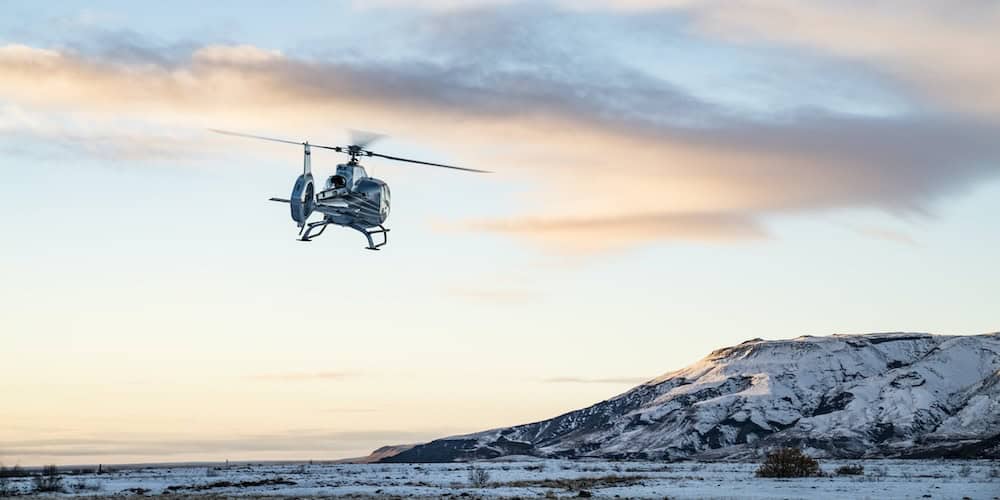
[(894, 394)]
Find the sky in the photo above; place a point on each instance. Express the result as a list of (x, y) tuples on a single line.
[(671, 176)]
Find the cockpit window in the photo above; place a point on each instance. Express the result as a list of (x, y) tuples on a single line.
[(336, 181)]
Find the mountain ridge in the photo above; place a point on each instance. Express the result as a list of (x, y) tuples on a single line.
[(852, 396)]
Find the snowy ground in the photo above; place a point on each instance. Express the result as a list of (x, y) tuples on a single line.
[(532, 478)]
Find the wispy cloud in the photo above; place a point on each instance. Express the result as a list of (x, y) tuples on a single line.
[(882, 233), (577, 233), (304, 376), (615, 155), (350, 410), (493, 295), (308, 442), (940, 50)]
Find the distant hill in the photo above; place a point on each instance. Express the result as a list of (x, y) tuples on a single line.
[(875, 395), (379, 454)]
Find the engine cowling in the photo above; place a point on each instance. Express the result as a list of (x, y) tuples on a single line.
[(302, 200), (376, 192)]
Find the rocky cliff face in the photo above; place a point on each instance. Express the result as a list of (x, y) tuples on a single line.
[(897, 394)]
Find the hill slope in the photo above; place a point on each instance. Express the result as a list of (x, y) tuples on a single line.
[(896, 394)]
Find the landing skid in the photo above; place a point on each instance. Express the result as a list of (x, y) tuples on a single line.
[(306, 234), (368, 234), (308, 228)]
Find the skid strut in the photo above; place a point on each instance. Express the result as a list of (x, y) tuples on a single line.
[(368, 234), (307, 233), (313, 225)]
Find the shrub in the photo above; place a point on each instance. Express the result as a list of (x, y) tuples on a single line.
[(49, 481), (6, 489), (15, 471), (788, 462), (850, 470), (478, 477)]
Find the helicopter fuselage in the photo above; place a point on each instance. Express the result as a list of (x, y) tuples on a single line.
[(350, 197)]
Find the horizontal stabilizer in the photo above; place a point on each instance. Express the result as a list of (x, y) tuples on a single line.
[(282, 200)]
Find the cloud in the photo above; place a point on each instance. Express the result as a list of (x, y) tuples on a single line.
[(881, 233), (164, 447), (943, 50), (304, 376), (585, 380), (350, 410), (609, 153), (578, 234), (69, 135), (494, 296)]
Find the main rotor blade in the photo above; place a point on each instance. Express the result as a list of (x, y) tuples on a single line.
[(272, 139), (251, 136), (369, 153)]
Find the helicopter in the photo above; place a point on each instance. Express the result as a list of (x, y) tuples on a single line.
[(350, 197)]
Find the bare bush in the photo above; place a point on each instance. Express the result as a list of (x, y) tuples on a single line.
[(788, 462), (478, 477), (850, 470), (6, 488), (49, 481), (15, 471)]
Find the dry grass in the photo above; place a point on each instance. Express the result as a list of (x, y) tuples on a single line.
[(578, 483), (224, 496), (228, 484)]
